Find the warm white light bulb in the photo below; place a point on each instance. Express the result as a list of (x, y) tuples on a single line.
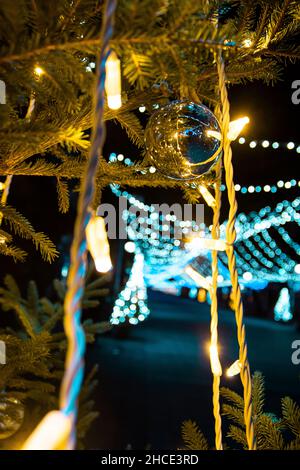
[(215, 364), (200, 280), (234, 130), (207, 196), (38, 71), (98, 245), (113, 81), (52, 433), (234, 369), (103, 264), (236, 127)]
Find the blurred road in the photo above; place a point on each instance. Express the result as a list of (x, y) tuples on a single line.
[(159, 375)]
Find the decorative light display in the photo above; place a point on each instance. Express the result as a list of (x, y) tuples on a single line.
[(261, 240), (282, 310), (267, 188), (264, 143), (131, 303)]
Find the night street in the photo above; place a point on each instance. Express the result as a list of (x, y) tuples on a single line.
[(159, 375)]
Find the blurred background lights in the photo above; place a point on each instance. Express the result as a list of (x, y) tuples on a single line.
[(129, 247), (247, 276), (297, 269)]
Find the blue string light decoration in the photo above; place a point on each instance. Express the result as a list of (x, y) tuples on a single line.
[(262, 239), (282, 310), (131, 304)]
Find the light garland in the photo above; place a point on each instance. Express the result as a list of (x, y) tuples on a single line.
[(267, 144), (131, 303), (272, 188), (98, 245), (259, 257), (267, 188)]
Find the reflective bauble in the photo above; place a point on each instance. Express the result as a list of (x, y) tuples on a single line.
[(183, 140), (11, 416)]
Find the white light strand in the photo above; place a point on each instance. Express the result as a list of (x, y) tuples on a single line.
[(267, 144)]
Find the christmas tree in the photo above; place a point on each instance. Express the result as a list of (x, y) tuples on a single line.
[(176, 58)]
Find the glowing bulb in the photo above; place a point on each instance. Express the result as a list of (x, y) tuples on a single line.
[(103, 264), (275, 145), (265, 143), (142, 109), (201, 297), (207, 196), (207, 244), (38, 71), (200, 280), (252, 144), (297, 269), (152, 169), (52, 433), (247, 43), (113, 81), (98, 244), (237, 187), (234, 369), (236, 127), (129, 247), (2, 186), (214, 360), (291, 145), (242, 140), (267, 188), (247, 276)]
